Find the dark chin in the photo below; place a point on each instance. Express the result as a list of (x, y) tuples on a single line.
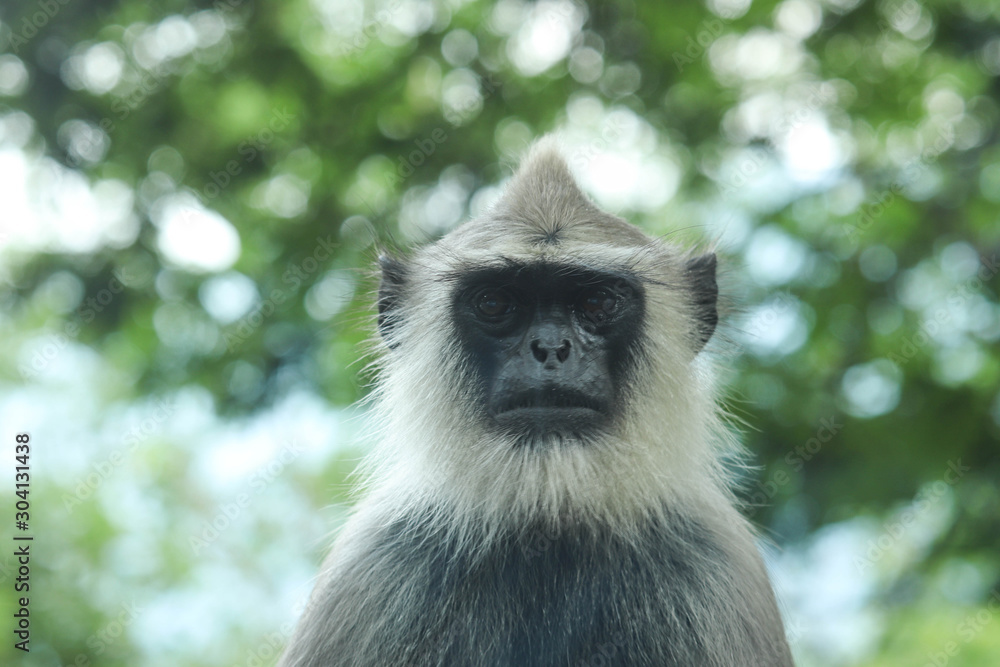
[(533, 424)]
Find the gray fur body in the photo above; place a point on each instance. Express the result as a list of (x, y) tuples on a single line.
[(619, 549)]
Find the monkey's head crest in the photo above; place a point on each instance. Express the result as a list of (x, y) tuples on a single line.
[(542, 205)]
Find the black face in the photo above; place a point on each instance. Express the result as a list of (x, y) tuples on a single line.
[(551, 345)]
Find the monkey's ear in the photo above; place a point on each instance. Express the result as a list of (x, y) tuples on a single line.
[(390, 295), (700, 272)]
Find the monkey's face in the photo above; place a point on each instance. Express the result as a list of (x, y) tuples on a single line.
[(550, 345), (541, 357)]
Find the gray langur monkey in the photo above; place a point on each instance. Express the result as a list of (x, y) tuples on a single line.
[(548, 487)]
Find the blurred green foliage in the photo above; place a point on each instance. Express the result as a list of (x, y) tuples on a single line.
[(844, 155)]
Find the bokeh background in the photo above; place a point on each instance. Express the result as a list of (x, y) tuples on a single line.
[(192, 194)]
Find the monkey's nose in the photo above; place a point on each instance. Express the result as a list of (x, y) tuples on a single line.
[(543, 351)]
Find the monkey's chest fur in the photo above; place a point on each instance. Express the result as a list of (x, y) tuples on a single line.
[(667, 595)]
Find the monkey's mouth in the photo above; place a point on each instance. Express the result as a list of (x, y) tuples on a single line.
[(548, 398), (549, 408)]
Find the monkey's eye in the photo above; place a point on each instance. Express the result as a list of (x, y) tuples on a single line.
[(493, 304), (599, 306)]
